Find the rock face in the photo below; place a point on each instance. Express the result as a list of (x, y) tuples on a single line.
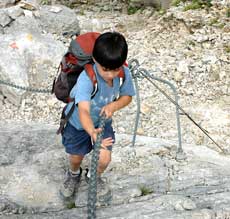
[(58, 19), (115, 5), (188, 48), (29, 51), (147, 181), (6, 3), (30, 56)]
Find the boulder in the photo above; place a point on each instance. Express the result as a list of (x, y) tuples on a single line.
[(6, 3), (25, 61), (29, 50), (58, 19)]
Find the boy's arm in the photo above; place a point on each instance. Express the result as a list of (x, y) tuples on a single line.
[(120, 103), (85, 119)]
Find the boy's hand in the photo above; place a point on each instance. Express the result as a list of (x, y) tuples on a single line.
[(107, 142), (108, 110), (116, 105), (95, 133)]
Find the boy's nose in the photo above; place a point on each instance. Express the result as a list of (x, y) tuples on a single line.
[(113, 73)]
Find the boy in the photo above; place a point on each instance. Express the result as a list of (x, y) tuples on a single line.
[(109, 55)]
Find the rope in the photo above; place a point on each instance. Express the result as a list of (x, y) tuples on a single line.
[(92, 191)]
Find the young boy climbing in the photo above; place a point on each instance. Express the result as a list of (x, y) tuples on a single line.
[(109, 55)]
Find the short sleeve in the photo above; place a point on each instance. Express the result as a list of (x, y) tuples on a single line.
[(127, 88), (82, 89)]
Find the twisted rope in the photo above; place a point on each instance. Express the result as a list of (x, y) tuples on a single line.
[(92, 191)]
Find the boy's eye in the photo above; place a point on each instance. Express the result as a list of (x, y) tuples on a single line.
[(106, 69)]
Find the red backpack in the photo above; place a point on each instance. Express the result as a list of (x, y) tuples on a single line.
[(77, 59)]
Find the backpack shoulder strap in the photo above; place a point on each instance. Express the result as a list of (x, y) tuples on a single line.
[(121, 76), (90, 72), (92, 75)]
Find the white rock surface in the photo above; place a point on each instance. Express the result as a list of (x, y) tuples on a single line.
[(146, 180), (185, 47)]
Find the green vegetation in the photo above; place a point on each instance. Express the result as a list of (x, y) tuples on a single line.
[(132, 10), (69, 4), (227, 48), (70, 205), (177, 2), (45, 2), (82, 12), (228, 12), (145, 191), (193, 4), (221, 25), (191, 43), (162, 11), (213, 21), (198, 4)]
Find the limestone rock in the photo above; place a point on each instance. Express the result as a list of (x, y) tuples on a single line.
[(24, 49), (58, 21), (194, 41), (4, 19), (29, 4), (6, 3), (147, 184)]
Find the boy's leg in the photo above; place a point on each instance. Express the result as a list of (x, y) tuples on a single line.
[(103, 189), (77, 144), (104, 160), (75, 162), (73, 176), (106, 151)]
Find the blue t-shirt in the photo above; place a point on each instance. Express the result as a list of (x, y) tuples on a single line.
[(106, 94)]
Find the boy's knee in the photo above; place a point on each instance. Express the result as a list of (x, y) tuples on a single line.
[(103, 163), (76, 159)]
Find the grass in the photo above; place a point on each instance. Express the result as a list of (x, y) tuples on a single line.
[(193, 4), (221, 25), (70, 205), (213, 21), (191, 43), (227, 48), (228, 12), (132, 10), (162, 11), (198, 4), (176, 3), (45, 2), (145, 191)]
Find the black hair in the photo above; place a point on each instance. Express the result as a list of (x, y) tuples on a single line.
[(110, 50)]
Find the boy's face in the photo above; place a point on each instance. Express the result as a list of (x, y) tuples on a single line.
[(107, 74)]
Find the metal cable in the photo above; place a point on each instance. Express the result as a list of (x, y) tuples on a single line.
[(133, 66), (30, 89), (142, 73)]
